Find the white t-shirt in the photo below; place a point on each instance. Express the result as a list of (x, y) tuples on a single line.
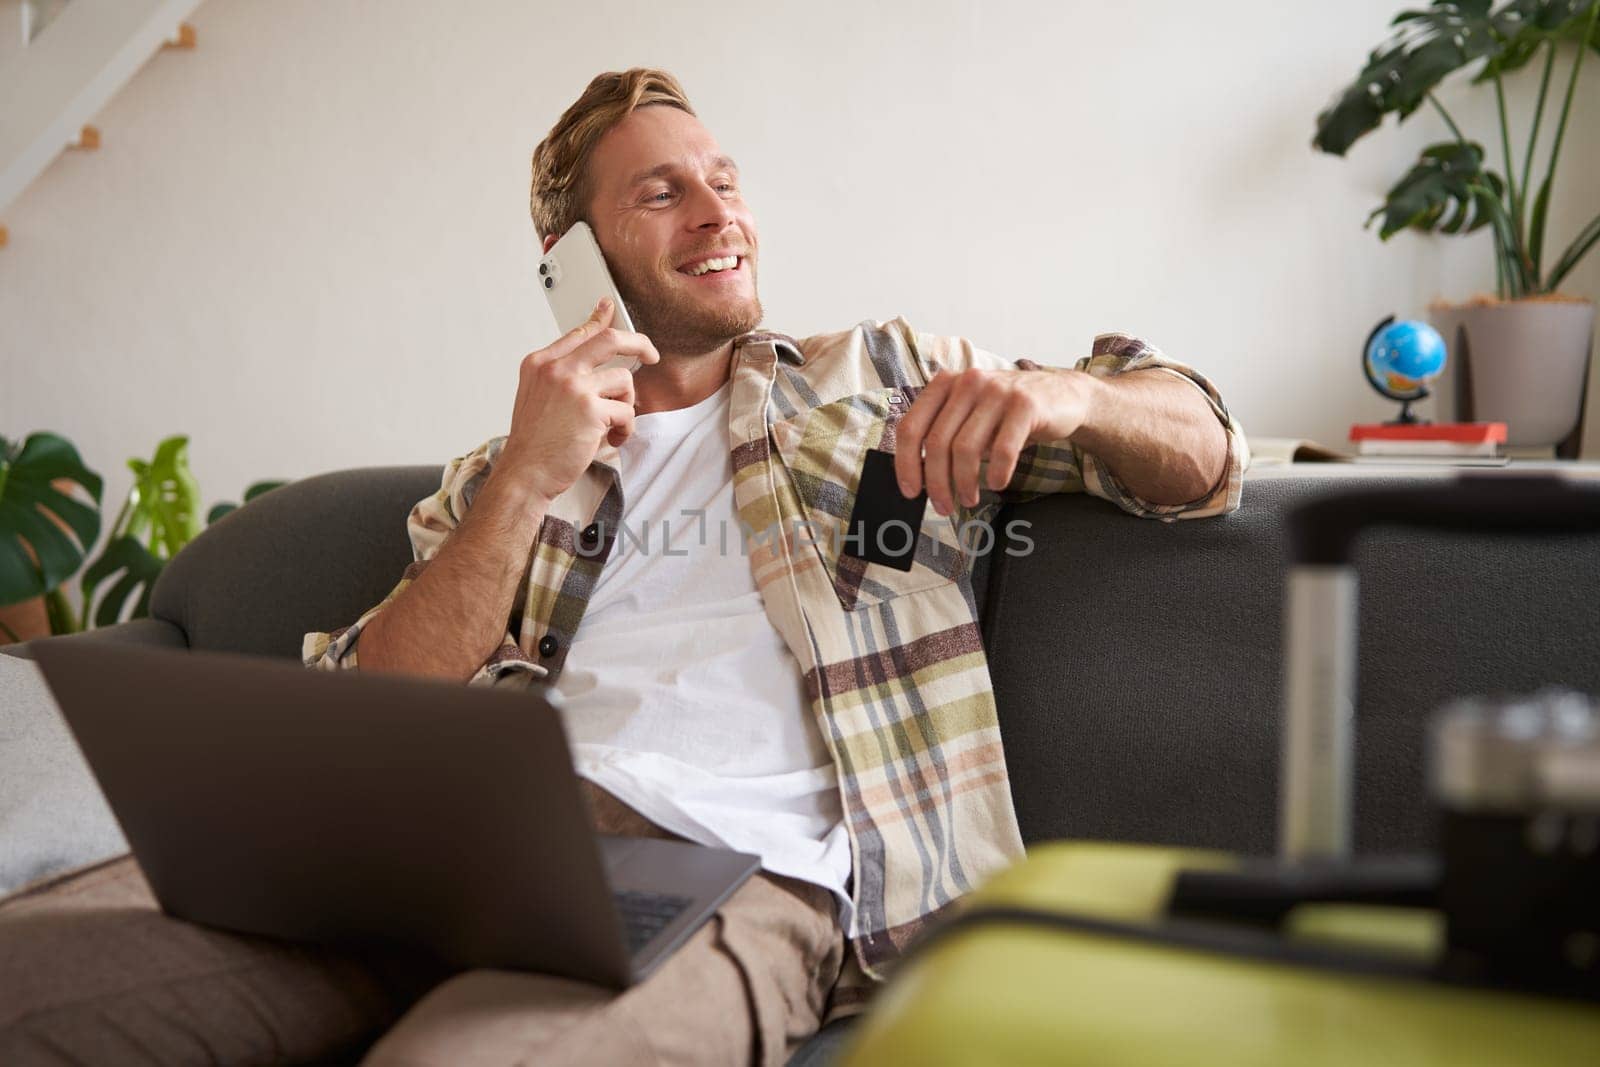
[(679, 696)]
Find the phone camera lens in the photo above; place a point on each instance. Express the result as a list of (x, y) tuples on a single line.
[(549, 283), (544, 268)]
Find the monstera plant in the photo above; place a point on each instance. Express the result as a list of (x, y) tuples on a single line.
[(1453, 188), (1458, 186), (46, 527), (47, 530), (160, 516)]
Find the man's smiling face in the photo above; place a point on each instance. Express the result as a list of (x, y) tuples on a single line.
[(667, 209)]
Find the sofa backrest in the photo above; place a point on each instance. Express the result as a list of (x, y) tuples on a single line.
[(1138, 665), (312, 555)]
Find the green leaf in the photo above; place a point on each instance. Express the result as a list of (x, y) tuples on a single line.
[(59, 613), (1460, 210), (1447, 176), (255, 490), (262, 487), (1430, 44), (137, 567), (57, 553), (1525, 25), (1586, 239), (1541, 204), (30, 507), (1361, 106), (163, 508)]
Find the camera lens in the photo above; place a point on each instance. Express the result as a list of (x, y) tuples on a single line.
[(549, 283), (544, 268)]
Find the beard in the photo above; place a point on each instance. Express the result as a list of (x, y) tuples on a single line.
[(675, 321)]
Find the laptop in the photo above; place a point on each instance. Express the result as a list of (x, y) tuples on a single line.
[(347, 809)]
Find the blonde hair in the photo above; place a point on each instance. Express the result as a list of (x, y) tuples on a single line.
[(559, 195)]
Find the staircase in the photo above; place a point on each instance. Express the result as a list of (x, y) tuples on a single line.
[(61, 62)]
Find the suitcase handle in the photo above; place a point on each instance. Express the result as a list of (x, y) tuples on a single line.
[(1320, 626)]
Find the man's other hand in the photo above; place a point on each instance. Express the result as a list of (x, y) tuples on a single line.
[(962, 418), (567, 402)]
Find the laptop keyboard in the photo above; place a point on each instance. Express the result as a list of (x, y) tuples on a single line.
[(644, 914)]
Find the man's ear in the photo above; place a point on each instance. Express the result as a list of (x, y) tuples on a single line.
[(550, 240)]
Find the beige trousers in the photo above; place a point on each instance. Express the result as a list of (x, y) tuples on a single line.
[(91, 972)]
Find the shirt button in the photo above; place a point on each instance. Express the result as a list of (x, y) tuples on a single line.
[(590, 534), (547, 646)]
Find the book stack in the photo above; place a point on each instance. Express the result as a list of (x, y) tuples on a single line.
[(1443, 441)]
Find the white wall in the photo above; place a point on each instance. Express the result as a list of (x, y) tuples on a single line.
[(306, 244)]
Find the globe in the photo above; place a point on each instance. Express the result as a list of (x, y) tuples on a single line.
[(1402, 357)]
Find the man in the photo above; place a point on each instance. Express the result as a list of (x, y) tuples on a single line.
[(784, 690)]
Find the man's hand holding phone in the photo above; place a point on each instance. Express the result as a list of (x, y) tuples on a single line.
[(567, 402)]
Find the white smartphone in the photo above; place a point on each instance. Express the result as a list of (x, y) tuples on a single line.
[(574, 278)]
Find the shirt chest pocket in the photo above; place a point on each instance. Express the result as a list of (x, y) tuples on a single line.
[(822, 451)]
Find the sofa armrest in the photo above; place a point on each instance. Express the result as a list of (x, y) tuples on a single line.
[(155, 632)]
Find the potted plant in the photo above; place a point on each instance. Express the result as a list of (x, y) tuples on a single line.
[(1522, 356), (160, 515), (47, 531)]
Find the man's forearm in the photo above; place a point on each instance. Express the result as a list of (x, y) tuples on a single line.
[(453, 615), (1157, 434)]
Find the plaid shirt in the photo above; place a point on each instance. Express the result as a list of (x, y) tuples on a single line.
[(893, 661)]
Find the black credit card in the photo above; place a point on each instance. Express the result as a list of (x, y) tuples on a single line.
[(884, 525)]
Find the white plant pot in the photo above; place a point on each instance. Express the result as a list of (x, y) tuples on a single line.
[(1521, 362)]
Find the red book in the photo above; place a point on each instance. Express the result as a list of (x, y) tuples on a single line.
[(1463, 433)]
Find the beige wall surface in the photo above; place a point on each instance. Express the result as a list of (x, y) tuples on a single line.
[(306, 244)]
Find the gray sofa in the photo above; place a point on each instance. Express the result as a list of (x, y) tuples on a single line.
[(1136, 664)]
